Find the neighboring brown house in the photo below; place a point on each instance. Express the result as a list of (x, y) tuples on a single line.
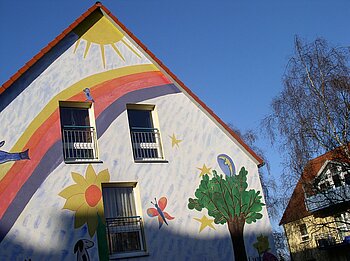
[(317, 218)]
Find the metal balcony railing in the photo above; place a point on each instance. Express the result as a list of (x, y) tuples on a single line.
[(146, 144), (330, 197), (125, 235), (79, 143)]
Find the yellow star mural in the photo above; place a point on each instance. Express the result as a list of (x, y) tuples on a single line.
[(204, 170), (174, 141), (205, 222)]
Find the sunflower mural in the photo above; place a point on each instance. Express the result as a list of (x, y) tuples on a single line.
[(85, 198)]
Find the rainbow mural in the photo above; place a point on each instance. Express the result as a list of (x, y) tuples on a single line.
[(43, 136)]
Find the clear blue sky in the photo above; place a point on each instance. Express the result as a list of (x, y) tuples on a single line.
[(231, 53)]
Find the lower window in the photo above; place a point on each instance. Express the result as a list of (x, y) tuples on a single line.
[(125, 233)]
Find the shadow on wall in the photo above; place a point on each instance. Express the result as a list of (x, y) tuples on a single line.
[(33, 244), (338, 253)]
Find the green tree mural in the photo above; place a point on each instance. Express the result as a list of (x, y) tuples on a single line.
[(228, 201)]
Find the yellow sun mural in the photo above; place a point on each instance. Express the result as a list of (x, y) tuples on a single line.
[(85, 198), (103, 33)]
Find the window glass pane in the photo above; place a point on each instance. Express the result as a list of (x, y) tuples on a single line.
[(140, 119), (124, 227), (336, 180), (119, 202), (74, 116), (303, 232), (347, 178)]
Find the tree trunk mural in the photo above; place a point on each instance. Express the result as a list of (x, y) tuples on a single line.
[(236, 231)]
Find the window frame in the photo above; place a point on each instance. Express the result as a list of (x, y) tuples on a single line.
[(157, 135), (305, 237), (138, 209), (81, 145)]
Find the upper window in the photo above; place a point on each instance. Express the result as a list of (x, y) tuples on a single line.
[(347, 178), (303, 232), (145, 136), (336, 180), (125, 233), (78, 132)]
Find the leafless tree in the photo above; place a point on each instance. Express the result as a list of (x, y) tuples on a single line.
[(311, 115)]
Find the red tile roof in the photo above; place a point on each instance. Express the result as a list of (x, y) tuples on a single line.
[(296, 208), (185, 88)]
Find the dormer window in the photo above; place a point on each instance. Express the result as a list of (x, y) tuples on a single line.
[(347, 178), (324, 185), (336, 180)]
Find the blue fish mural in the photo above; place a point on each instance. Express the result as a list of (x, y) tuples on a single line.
[(226, 164), (7, 156)]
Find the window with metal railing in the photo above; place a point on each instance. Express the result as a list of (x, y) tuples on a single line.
[(79, 143), (124, 228), (145, 137), (79, 138), (146, 144), (125, 235)]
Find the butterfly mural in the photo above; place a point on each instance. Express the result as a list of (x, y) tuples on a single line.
[(159, 212)]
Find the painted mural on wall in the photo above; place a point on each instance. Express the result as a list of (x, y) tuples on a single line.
[(226, 165), (15, 156), (205, 222), (81, 249), (107, 84), (262, 245), (43, 136), (122, 74), (103, 33), (229, 201), (85, 198), (88, 95), (158, 211), (174, 141)]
